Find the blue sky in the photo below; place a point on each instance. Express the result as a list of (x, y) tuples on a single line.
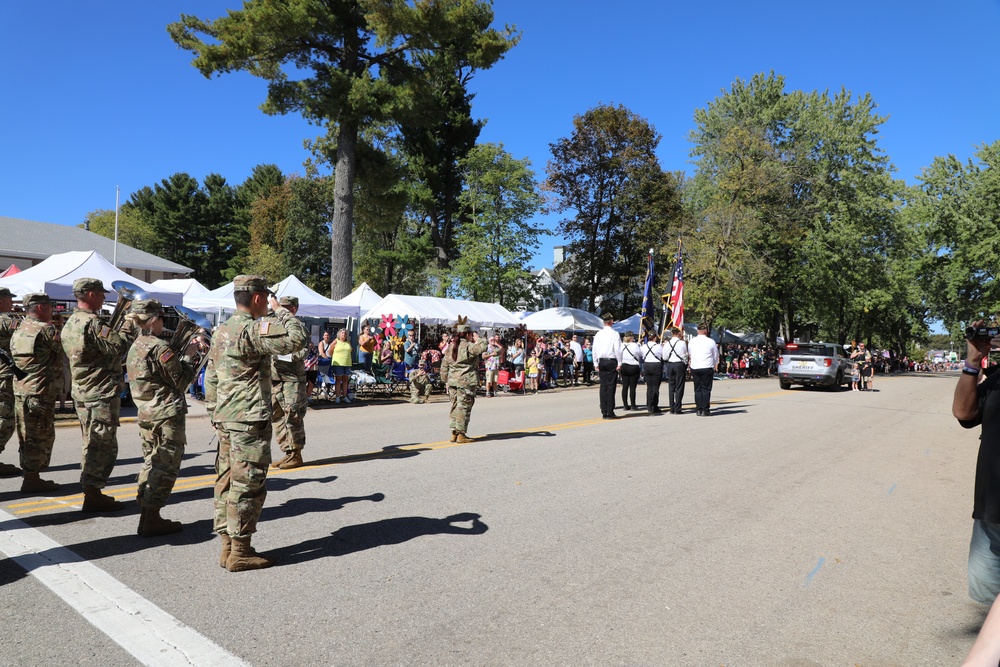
[(96, 95)]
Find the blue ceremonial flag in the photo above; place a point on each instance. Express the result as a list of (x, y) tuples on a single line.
[(648, 308)]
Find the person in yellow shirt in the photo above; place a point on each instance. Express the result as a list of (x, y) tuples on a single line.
[(531, 367), (340, 366)]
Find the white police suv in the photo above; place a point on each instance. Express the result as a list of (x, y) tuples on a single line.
[(813, 364)]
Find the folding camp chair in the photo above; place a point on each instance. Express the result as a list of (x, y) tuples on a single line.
[(400, 379), (383, 379)]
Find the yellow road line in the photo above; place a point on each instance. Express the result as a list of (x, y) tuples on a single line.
[(207, 481)]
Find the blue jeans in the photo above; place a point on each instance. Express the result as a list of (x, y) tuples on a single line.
[(984, 562)]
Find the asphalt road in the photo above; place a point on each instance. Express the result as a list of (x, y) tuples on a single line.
[(791, 528)]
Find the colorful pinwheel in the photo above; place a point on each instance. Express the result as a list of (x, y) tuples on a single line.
[(388, 326), (403, 326)]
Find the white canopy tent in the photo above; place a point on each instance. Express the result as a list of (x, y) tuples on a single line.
[(214, 301), (189, 287), (363, 299), (428, 310), (311, 303), (631, 324), (54, 276), (563, 319)]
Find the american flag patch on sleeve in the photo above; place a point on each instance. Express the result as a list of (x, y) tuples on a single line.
[(166, 356), (264, 328)]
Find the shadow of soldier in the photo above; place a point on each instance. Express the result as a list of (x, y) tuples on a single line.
[(300, 506), (107, 546), (351, 539), (387, 452), (514, 435)]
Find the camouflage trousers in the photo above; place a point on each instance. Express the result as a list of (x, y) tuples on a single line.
[(288, 411), (420, 387), (163, 442), (36, 431), (8, 425), (462, 400), (240, 474), (99, 424)]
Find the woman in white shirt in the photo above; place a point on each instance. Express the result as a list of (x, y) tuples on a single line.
[(630, 370)]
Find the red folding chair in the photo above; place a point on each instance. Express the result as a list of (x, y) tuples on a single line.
[(516, 383)]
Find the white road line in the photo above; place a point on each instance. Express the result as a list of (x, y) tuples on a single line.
[(150, 634)]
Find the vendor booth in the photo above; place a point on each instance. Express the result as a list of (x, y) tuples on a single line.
[(364, 298), (429, 310), (563, 319), (189, 287), (54, 276), (312, 303)]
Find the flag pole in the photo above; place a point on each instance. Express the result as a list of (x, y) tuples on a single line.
[(114, 259)]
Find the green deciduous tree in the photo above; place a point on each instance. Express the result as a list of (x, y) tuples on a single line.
[(796, 225), (498, 242), (132, 228), (345, 65), (956, 207), (607, 174)]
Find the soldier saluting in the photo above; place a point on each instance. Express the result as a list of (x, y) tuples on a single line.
[(288, 399), (35, 348), (238, 397), (460, 372)]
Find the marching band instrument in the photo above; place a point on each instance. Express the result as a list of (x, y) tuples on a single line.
[(190, 326), (127, 293)]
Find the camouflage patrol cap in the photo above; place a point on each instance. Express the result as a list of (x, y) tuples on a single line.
[(608, 317), (146, 307), (245, 283), (289, 301), (81, 285), (5, 292), (29, 300)]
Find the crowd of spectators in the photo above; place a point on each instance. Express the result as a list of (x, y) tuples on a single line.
[(545, 361)]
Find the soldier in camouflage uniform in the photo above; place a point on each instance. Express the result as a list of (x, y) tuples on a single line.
[(7, 425), (288, 399), (95, 355), (460, 373), (158, 377), (238, 397), (420, 384), (35, 348)]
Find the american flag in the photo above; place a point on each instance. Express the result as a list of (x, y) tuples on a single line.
[(675, 311)]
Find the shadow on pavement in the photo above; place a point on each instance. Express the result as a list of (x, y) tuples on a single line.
[(389, 452), (514, 435), (300, 506), (351, 539)]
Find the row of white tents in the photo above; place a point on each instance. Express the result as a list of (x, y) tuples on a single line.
[(55, 275)]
